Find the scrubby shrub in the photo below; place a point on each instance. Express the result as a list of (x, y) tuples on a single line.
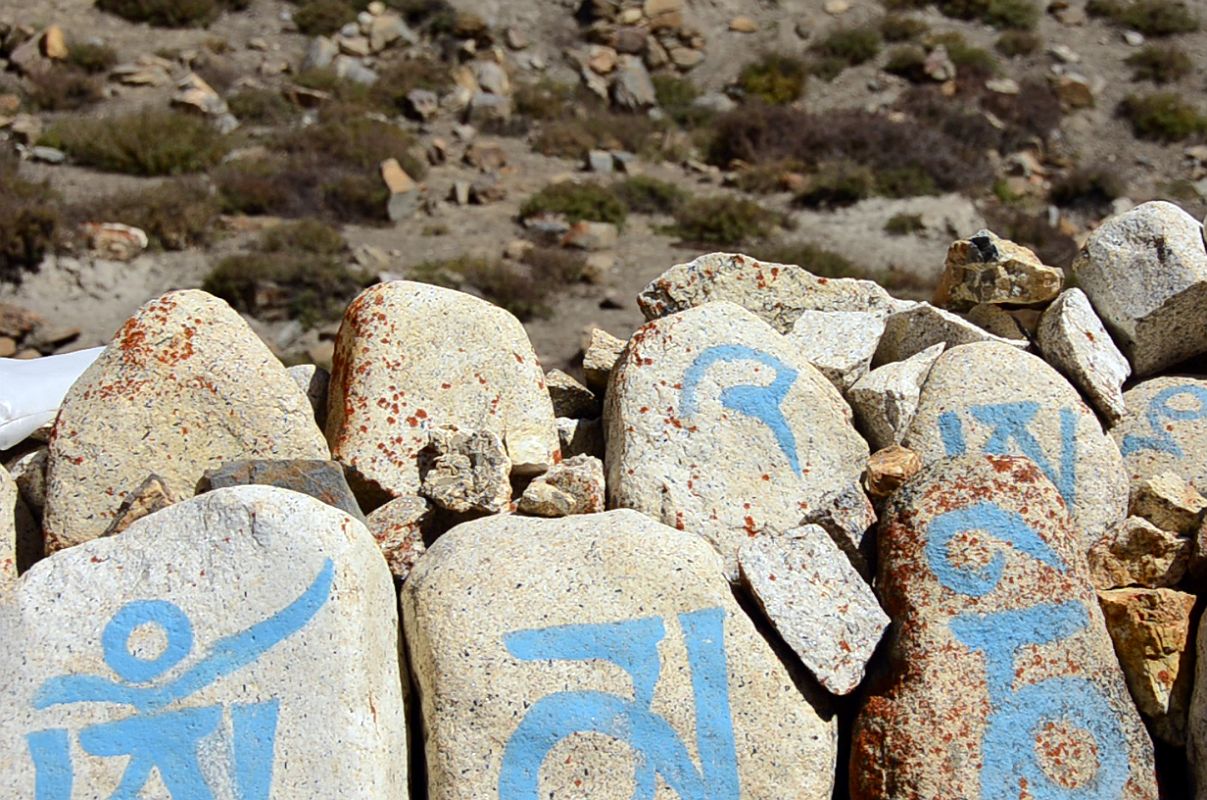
[(1018, 43), (261, 107), (29, 221), (576, 202), (645, 195), (302, 266), (545, 99), (907, 61), (170, 13), (1017, 14), (555, 266), (1162, 116), (148, 142), (676, 96), (851, 46), (177, 214), (357, 142), (1035, 111), (769, 176), (91, 57), (901, 28), (723, 220), (62, 88), (522, 288), (971, 62), (775, 79), (1149, 17), (400, 77), (355, 196), (1159, 64), (903, 224), (1088, 189), (323, 17), (835, 184), (821, 262), (424, 13)]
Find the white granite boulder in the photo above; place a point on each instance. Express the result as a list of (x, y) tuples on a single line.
[(717, 425), (1165, 429), (184, 387), (600, 656), (1073, 339), (995, 399), (839, 343), (1145, 271), (242, 644), (410, 358)]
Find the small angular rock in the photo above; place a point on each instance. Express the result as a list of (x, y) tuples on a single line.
[(909, 332), (465, 471), (890, 468), (886, 399), (987, 269), (1138, 553), (570, 398), (839, 343), (1073, 339), (581, 437), (398, 529), (150, 496), (599, 356), (575, 486), (314, 381), (1169, 502)]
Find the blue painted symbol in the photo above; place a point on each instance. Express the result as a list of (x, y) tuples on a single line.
[(167, 742), (1017, 717), (764, 403), (1009, 424), (1160, 410), (658, 749)]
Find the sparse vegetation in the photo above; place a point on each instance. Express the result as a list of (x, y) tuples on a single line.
[(1159, 64), (838, 183), (299, 268), (775, 79), (971, 62), (62, 88), (176, 214), (402, 76), (576, 202), (170, 13), (261, 107), (1007, 14), (1149, 17), (356, 141), (1162, 116), (723, 220), (147, 142), (645, 195), (903, 224), (902, 28), (844, 47), (821, 262), (1018, 43), (676, 96), (1087, 189), (323, 17), (29, 221), (91, 57), (545, 99), (1033, 230)]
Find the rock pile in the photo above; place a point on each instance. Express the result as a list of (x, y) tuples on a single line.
[(780, 491)]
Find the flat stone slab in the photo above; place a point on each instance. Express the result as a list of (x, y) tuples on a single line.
[(995, 399), (184, 386), (886, 399), (1165, 429), (839, 343), (817, 602), (1073, 339), (410, 358), (1000, 673), (240, 644), (590, 655), (717, 425)]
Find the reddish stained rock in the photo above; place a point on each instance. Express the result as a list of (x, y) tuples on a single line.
[(410, 358), (398, 528), (1001, 680)]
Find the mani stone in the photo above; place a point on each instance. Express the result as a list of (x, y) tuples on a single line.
[(1137, 553), (999, 679), (398, 528), (995, 399), (184, 386), (776, 293), (885, 399), (817, 602), (717, 425), (577, 657), (1145, 271), (1072, 339), (410, 358), (912, 331), (1165, 429), (575, 486), (1153, 637), (839, 343), (243, 643), (987, 269), (1169, 502), (465, 471)]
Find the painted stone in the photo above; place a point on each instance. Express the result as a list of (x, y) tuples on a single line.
[(1165, 429), (398, 528), (886, 399), (985, 268), (1153, 637), (716, 424), (600, 656), (817, 602), (1073, 339), (184, 659), (995, 399), (1000, 679), (1145, 271), (322, 480), (839, 343), (913, 330), (1196, 726), (410, 358), (776, 293), (575, 486), (1138, 553), (184, 386)]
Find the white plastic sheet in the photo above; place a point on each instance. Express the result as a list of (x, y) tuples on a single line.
[(32, 391)]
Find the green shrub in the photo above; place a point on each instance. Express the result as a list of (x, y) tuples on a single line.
[(323, 17), (1018, 43), (177, 214), (356, 142), (554, 266), (62, 88), (903, 224), (355, 196), (1017, 14), (91, 57), (723, 220), (301, 266), (576, 202), (170, 13), (676, 96), (644, 195), (29, 221), (1162, 116), (817, 260), (907, 61), (523, 289), (836, 184), (900, 28), (775, 79), (971, 62), (400, 77), (1157, 17), (851, 46), (545, 99), (1159, 64), (147, 142), (1090, 189), (261, 107)]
